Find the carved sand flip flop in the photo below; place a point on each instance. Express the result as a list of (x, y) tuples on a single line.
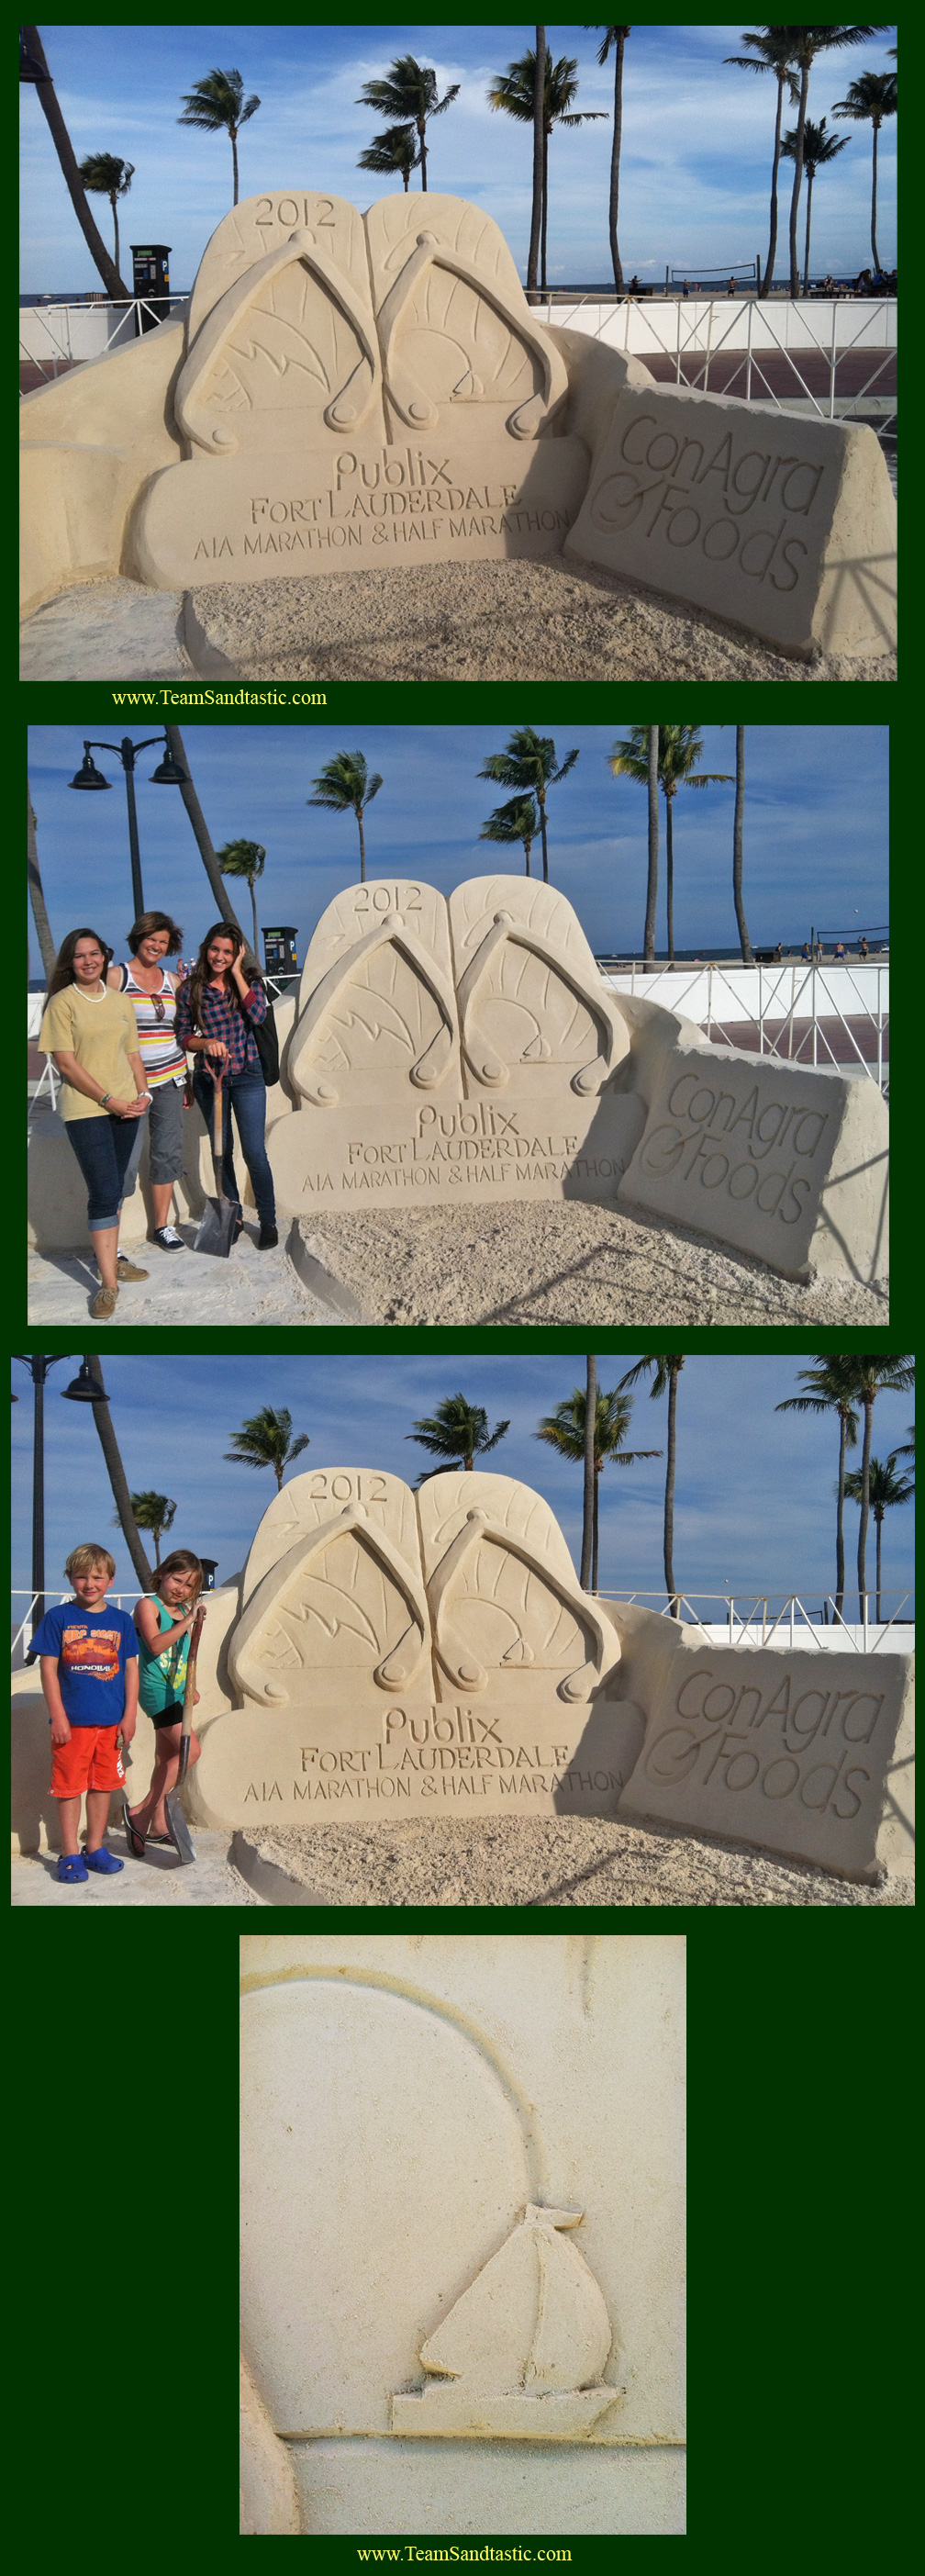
[(330, 993), (526, 919), (395, 1671), (542, 1552), (347, 408), (411, 401)]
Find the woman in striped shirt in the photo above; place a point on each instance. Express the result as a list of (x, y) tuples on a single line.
[(218, 1008), (152, 992)]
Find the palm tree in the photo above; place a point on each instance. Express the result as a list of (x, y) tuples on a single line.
[(345, 787), (513, 91), (201, 833), (105, 175), (244, 859), (588, 1565), (869, 99), (616, 37), (666, 1372), (266, 1441), (884, 1487), (680, 747), (217, 105), (409, 94), (907, 1449), (803, 44), (396, 150), (154, 1512), (873, 1376), (539, 147), (818, 148), (738, 827), (457, 1434), (565, 1431), (529, 763), (832, 1388), (117, 1477), (516, 821), (36, 891), (33, 67), (771, 52), (648, 937)]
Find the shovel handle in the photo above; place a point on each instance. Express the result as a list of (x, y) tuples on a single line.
[(189, 1694), (217, 1146)]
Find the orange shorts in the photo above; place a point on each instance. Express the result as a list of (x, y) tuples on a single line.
[(91, 1760)]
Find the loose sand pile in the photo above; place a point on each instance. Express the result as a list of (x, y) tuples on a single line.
[(565, 1264), (548, 1860), (488, 621)]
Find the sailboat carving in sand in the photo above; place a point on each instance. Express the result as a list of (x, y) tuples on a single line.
[(522, 2351)]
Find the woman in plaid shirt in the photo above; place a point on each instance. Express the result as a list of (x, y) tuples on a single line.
[(217, 1012)]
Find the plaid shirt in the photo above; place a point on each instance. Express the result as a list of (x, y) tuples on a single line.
[(220, 1020)]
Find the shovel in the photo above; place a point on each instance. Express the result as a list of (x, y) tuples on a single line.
[(177, 1826), (217, 1226)]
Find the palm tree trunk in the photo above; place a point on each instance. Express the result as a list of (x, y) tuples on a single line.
[(253, 896), (615, 161), (234, 156), (528, 845), (176, 747), (669, 874), (406, 175), (421, 132), (545, 206), (738, 827), (669, 1492), (809, 217), (119, 1482), (587, 1527), (157, 1553), (873, 205), (840, 1522), (541, 801), (648, 941), (115, 225), (64, 148), (772, 244), (362, 849), (878, 1516), (539, 114), (597, 1478), (36, 896), (865, 1501), (797, 177)]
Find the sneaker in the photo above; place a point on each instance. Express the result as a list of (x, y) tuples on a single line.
[(103, 1305), (71, 1868), (267, 1238), (168, 1238), (104, 1861), (126, 1269)]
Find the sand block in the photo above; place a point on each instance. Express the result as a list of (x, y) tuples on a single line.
[(787, 1163), (533, 1007), (454, 1149), (785, 526), (806, 1754), (377, 1013)]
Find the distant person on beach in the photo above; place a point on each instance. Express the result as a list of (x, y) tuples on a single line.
[(840, 948), (863, 950), (685, 290), (731, 288), (805, 952)]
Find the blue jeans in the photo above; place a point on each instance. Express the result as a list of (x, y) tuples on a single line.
[(103, 1147), (246, 1094)]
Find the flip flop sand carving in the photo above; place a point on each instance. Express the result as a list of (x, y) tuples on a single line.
[(377, 1000), (530, 994), (502, 1590)]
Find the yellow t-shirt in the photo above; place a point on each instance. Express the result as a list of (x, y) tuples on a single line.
[(101, 1031)]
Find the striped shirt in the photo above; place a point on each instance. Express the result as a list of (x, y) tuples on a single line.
[(162, 1057), (220, 1020)]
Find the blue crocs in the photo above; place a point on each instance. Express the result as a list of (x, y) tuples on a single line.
[(104, 1861), (71, 1867)]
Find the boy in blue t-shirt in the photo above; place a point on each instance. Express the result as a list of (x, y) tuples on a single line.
[(89, 1666)]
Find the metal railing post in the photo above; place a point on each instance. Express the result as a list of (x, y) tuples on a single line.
[(748, 355), (832, 362)]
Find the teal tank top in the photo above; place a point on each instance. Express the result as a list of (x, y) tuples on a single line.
[(161, 1677)]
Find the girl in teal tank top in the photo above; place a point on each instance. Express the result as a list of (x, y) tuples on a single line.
[(163, 1621)]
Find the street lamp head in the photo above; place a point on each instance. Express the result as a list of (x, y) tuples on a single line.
[(88, 774), (85, 1389), (169, 773)]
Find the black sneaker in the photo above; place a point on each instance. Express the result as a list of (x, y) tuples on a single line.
[(168, 1238), (267, 1239)]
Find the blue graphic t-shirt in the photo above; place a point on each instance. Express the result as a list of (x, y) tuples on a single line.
[(93, 1648)]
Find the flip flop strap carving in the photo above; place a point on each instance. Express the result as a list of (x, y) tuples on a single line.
[(389, 1673), (411, 402), (458, 1660), (480, 1055), (390, 932), (231, 306)]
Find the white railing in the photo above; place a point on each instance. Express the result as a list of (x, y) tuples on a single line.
[(752, 1620), (788, 1005), (68, 335), (702, 328)]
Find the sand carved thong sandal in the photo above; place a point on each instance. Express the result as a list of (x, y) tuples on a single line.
[(396, 1670), (482, 1057), (431, 1067), (412, 403), (458, 1660), (346, 409)]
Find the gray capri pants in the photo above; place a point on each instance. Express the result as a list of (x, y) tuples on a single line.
[(165, 1136)]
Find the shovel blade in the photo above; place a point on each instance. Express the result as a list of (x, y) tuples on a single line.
[(178, 1829), (217, 1227)]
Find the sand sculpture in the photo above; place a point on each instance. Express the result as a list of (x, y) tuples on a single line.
[(470, 1050), (395, 1654), (346, 390), (394, 2364)]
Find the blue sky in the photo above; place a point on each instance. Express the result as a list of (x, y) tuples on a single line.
[(697, 143), (736, 1457), (816, 849)]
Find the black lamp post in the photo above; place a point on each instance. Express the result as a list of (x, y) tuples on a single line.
[(38, 1368), (168, 773)]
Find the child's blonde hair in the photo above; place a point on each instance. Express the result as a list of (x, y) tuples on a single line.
[(82, 1559)]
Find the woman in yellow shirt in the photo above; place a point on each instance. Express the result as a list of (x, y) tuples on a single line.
[(92, 1035)]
